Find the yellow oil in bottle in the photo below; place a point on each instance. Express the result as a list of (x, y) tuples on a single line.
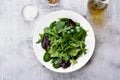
[(97, 7)]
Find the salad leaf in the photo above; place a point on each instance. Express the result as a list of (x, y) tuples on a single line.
[(64, 42), (46, 57), (41, 37), (73, 61), (60, 25), (56, 62), (74, 52), (38, 41)]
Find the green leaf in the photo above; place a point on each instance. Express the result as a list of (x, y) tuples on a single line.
[(77, 24), (74, 44), (73, 61), (47, 30), (82, 34), (38, 41), (46, 57), (78, 55), (66, 57), (60, 25), (67, 37), (55, 54), (52, 49), (63, 19), (41, 36), (56, 66), (76, 36), (50, 32), (53, 24), (74, 52), (56, 62)]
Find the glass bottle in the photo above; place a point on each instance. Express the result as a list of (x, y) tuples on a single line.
[(97, 7)]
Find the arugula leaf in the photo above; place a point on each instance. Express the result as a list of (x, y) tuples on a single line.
[(41, 37)]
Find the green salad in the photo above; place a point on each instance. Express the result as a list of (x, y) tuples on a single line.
[(64, 42)]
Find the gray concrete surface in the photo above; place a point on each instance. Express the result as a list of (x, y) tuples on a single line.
[(17, 59)]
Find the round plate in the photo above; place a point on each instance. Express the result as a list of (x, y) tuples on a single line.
[(46, 21)]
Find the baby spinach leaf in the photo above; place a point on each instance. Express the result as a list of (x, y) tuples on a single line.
[(46, 57)]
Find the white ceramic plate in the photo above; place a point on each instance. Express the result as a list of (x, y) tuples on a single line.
[(90, 39)]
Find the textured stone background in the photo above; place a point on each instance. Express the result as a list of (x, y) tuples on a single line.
[(17, 59)]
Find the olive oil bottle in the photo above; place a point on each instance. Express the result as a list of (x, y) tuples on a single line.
[(97, 7)]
